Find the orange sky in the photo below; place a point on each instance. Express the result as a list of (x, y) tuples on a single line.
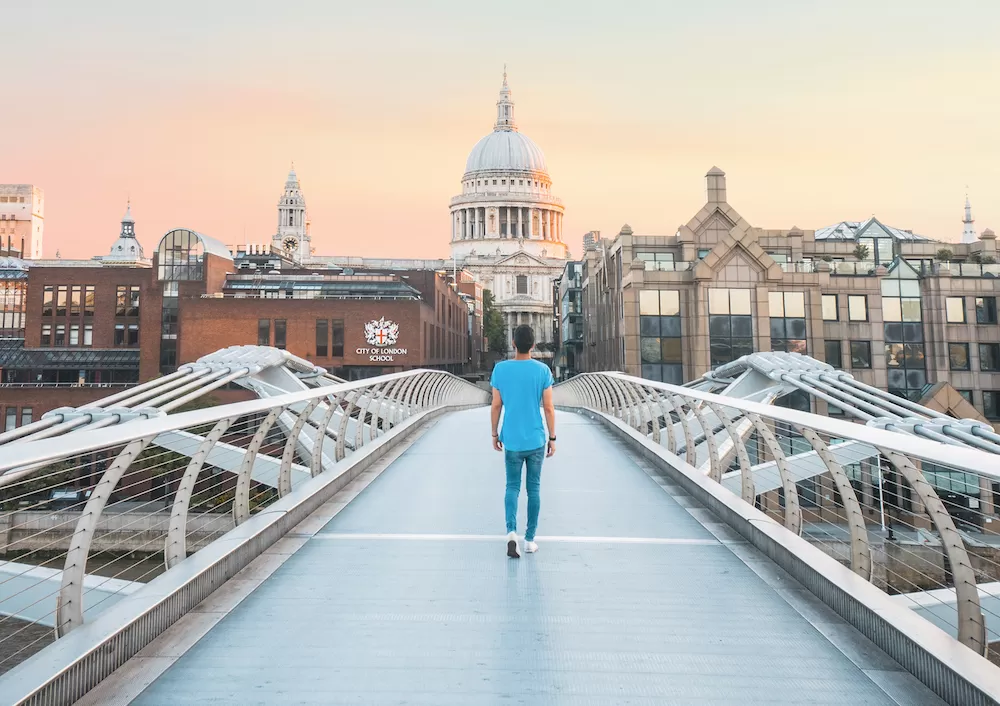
[(818, 112)]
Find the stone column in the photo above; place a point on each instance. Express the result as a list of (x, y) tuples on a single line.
[(559, 233), (470, 214), (520, 222)]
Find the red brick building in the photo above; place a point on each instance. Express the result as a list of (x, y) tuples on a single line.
[(109, 322)]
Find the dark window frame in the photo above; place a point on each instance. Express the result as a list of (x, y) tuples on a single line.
[(337, 338), (993, 356), (263, 332), (322, 338), (281, 333), (868, 346), (951, 359)]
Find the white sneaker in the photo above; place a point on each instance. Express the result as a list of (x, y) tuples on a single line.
[(512, 546), (530, 547)]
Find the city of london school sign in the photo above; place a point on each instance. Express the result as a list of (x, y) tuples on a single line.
[(381, 334)]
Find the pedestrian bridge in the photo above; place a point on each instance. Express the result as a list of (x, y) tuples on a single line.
[(343, 543)]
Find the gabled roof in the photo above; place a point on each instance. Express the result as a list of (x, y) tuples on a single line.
[(852, 230)]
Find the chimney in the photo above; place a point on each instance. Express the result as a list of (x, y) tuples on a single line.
[(716, 179)]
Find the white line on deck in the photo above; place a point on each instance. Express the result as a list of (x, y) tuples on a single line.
[(500, 537)]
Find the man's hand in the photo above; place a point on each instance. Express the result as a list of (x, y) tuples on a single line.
[(550, 451), (497, 444)]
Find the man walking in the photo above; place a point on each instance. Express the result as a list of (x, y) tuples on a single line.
[(520, 387)]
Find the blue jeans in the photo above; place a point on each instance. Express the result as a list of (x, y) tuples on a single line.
[(514, 460)]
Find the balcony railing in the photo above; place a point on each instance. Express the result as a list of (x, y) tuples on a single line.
[(665, 266), (968, 269), (805, 266)]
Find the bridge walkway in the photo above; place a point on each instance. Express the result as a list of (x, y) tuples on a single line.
[(636, 596)]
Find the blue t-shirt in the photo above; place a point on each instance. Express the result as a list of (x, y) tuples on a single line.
[(521, 384)]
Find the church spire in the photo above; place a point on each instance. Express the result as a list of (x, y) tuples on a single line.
[(969, 232), (505, 107), (128, 223)]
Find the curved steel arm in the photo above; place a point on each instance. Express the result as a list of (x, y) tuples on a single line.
[(793, 511), (241, 502), (175, 548), (971, 624), (861, 555), (288, 454), (69, 606), (746, 474)]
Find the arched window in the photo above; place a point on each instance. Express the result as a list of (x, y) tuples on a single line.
[(291, 219), (180, 256)]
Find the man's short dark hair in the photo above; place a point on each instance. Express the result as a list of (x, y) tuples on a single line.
[(524, 338)]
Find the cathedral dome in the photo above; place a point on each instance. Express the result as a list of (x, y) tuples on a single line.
[(505, 149), (508, 151)]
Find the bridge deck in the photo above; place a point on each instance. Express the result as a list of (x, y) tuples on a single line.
[(406, 596)]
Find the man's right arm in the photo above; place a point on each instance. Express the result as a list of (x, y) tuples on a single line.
[(495, 408)]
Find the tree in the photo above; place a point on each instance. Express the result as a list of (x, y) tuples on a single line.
[(861, 252), (976, 258), (944, 255), (493, 328)]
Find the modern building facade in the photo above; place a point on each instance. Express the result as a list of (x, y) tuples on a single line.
[(22, 220), (568, 312), (898, 310)]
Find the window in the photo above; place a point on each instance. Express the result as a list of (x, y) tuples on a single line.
[(958, 356), (991, 404), (954, 308), (88, 334), (74, 334), (133, 302), (660, 336), (180, 256), (89, 296), (119, 334), (46, 335), (730, 325), (337, 349), (75, 301), (120, 297), (904, 337), (60, 338), (322, 338), (834, 354), (989, 357), (25, 416), (830, 307), (703, 253), (48, 301), (11, 422), (522, 284), (263, 332), (62, 295), (857, 307), (788, 321), (133, 335), (861, 354), (967, 394), (279, 333), (986, 310)]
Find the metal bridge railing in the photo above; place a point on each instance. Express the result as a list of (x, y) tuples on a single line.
[(87, 518), (916, 517)]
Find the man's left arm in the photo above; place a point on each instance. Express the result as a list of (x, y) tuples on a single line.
[(495, 408)]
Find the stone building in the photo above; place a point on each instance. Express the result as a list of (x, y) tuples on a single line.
[(507, 225), (897, 310), (22, 220)]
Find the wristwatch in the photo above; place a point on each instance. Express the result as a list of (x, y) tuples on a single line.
[(552, 438)]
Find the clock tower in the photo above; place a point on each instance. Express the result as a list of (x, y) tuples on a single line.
[(292, 238)]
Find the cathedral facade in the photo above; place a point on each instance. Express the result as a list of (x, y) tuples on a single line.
[(507, 227)]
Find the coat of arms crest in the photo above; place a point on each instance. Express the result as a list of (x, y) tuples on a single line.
[(381, 332)]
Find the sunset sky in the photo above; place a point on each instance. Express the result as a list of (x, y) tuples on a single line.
[(818, 112)]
